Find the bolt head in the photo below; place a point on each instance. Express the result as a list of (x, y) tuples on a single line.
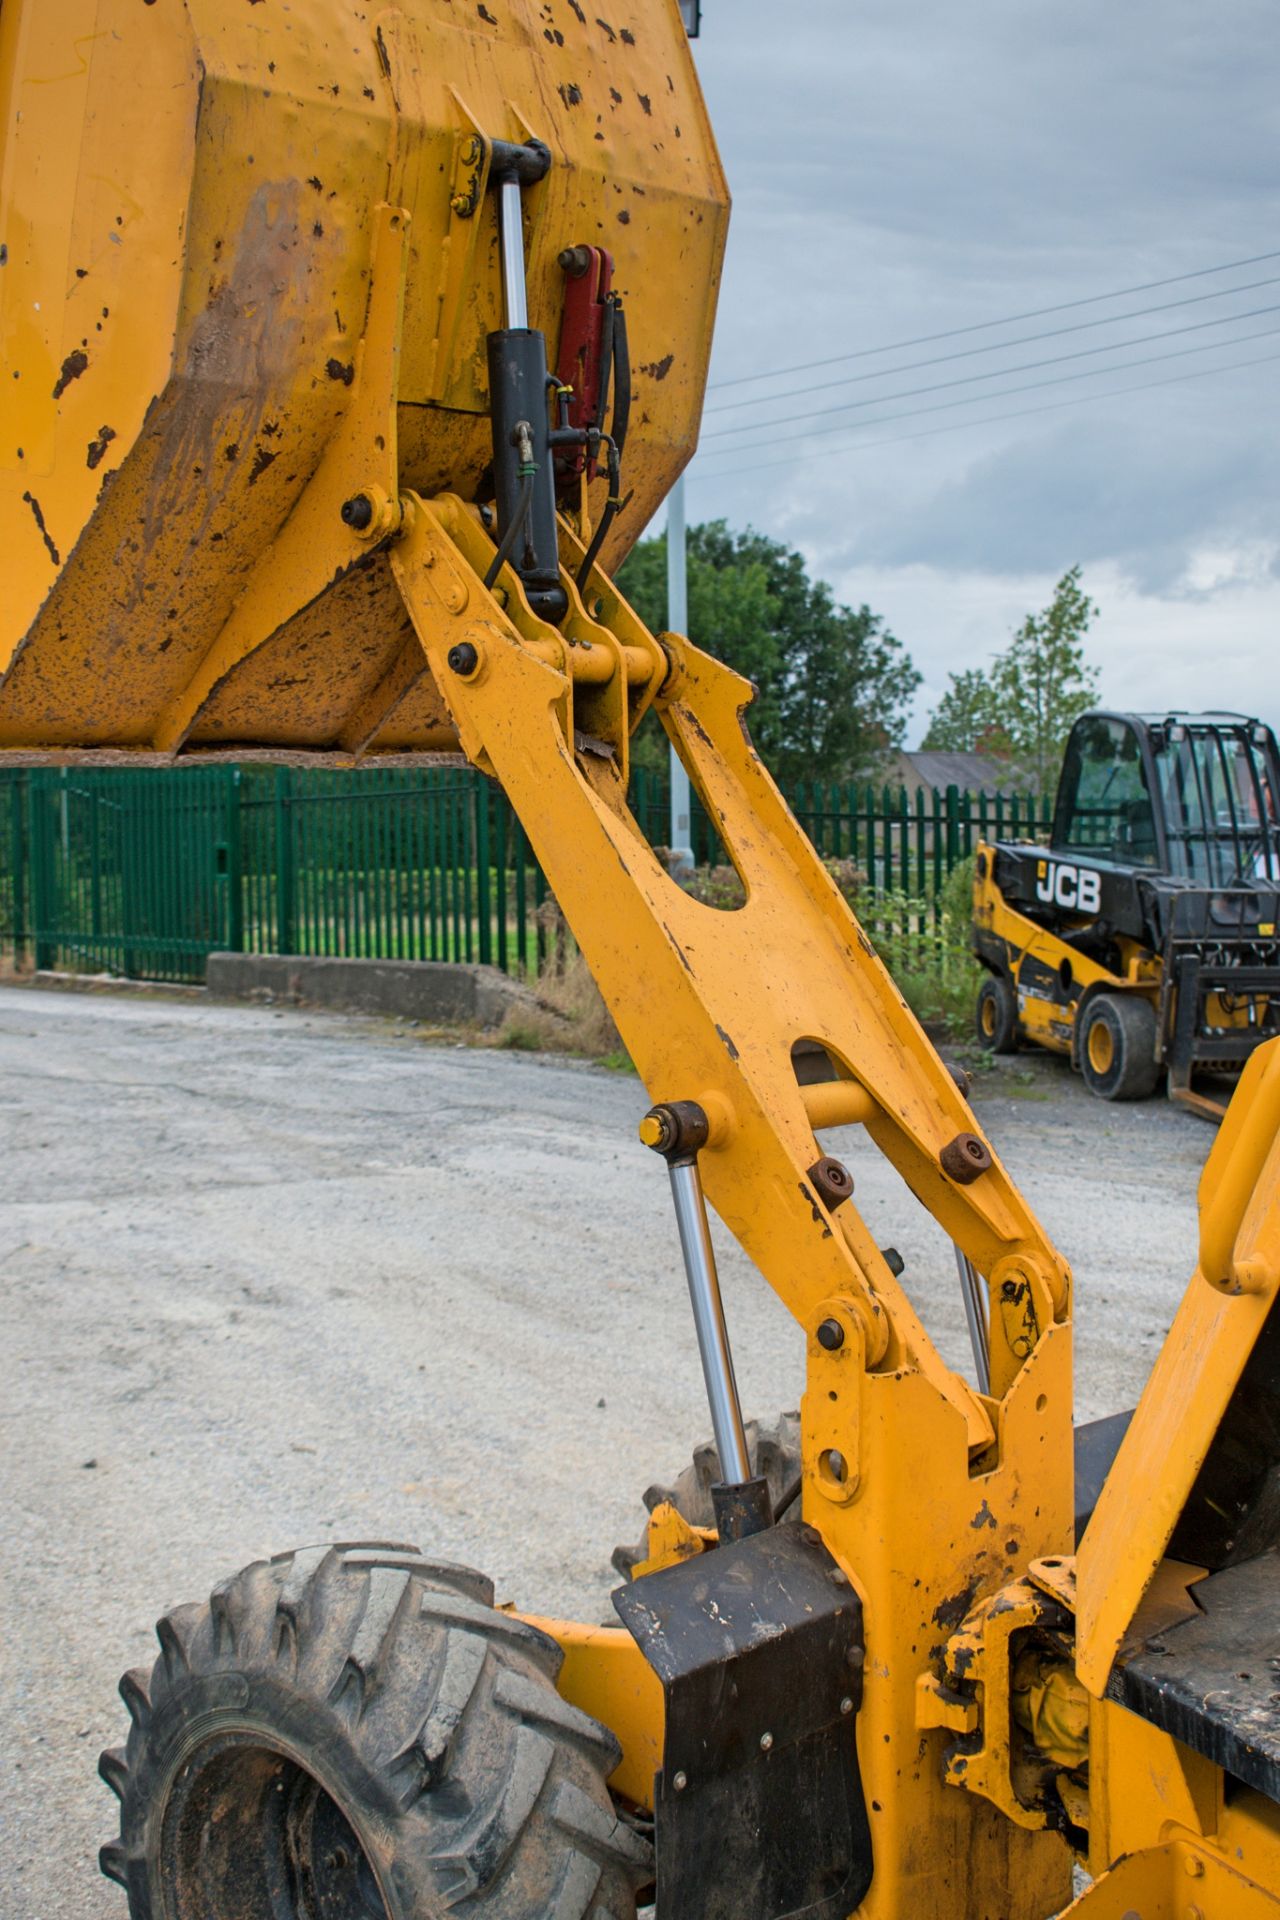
[(846, 1705), (463, 659), (357, 513), (680, 1782), (831, 1335), (766, 1742)]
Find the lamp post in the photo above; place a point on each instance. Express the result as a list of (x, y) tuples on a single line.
[(678, 622)]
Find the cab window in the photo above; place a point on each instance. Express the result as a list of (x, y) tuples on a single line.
[(1104, 806)]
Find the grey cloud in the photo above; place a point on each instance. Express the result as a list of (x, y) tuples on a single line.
[(899, 169)]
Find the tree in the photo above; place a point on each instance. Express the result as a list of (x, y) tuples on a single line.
[(833, 685), (964, 720), (1021, 711)]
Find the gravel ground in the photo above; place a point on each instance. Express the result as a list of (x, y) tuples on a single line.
[(275, 1277)]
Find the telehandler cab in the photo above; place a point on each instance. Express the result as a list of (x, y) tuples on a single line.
[(322, 428), (1143, 939)]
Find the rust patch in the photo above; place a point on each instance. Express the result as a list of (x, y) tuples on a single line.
[(38, 517), (262, 458), (624, 218), (249, 327), (485, 14), (730, 1049), (340, 370), (819, 1217), (581, 15), (99, 446), (570, 94), (72, 367), (949, 1613), (659, 369), (628, 38), (644, 100), (983, 1517), (608, 29)]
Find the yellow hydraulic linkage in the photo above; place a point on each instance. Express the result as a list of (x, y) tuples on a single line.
[(364, 516)]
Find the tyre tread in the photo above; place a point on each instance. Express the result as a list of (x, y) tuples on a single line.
[(404, 1665)]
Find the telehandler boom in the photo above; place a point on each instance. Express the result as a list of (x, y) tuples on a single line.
[(345, 350)]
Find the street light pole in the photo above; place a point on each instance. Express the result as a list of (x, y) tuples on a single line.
[(678, 622), (678, 598)]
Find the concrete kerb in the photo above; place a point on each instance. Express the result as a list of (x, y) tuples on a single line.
[(437, 991)]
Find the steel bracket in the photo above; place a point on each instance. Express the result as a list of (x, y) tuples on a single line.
[(759, 1803)]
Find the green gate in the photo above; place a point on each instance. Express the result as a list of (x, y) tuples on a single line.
[(133, 873)]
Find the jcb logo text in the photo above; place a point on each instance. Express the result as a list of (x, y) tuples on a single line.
[(1079, 889)]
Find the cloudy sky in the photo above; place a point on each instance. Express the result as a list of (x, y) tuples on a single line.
[(910, 168)]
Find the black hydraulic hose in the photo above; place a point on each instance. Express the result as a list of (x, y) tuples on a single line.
[(612, 505), (621, 379), (606, 359), (789, 1497), (619, 356), (507, 544)]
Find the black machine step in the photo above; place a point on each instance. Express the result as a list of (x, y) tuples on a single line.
[(1213, 1681)]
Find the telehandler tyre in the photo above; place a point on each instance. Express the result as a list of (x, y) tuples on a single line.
[(996, 1015), (354, 1733), (774, 1447), (1118, 1047)]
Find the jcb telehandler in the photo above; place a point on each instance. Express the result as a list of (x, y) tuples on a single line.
[(320, 434), (1143, 939)]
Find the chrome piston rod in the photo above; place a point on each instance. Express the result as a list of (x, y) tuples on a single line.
[(515, 296), (678, 1130), (975, 1313), (709, 1322)]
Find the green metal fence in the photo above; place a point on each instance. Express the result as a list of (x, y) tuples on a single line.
[(146, 873)]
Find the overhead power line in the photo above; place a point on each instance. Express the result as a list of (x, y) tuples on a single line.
[(988, 420), (997, 373), (983, 326), (1001, 346), (1031, 386)]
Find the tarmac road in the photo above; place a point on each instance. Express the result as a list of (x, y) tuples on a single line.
[(269, 1278)]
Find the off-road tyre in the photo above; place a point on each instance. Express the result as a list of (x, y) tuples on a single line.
[(774, 1447), (354, 1733), (1118, 1047), (995, 1017)]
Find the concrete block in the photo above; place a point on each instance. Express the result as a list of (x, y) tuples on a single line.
[(433, 990)]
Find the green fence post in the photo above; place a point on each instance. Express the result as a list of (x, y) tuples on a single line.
[(42, 887), (18, 864), (286, 917), (502, 874), (234, 829), (953, 827), (483, 875), (936, 821)]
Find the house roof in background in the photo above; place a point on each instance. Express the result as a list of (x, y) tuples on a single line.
[(973, 772)]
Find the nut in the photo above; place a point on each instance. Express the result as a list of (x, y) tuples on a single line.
[(832, 1181), (964, 1158)]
